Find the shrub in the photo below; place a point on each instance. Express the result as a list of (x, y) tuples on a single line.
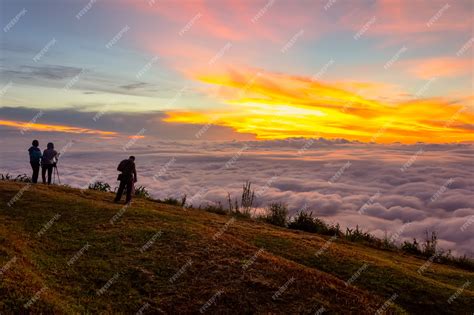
[(412, 248), (357, 235), (277, 214), (216, 208), (23, 178), (170, 201), (100, 186), (304, 221), (430, 244), (141, 191), (248, 197)]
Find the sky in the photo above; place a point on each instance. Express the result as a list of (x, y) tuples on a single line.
[(372, 71), (359, 111)]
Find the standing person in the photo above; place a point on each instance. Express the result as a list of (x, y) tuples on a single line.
[(35, 160), (48, 161), (127, 178)]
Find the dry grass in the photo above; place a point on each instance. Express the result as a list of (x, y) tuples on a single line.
[(214, 253)]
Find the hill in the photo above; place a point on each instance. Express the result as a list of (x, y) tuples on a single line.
[(64, 250)]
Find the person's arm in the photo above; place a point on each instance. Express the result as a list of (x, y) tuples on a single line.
[(134, 174)]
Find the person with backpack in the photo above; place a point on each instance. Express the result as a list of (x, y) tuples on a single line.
[(35, 160), (48, 162), (127, 179)]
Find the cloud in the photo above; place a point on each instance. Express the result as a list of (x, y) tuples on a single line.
[(278, 172), (439, 67), (48, 72), (277, 105)]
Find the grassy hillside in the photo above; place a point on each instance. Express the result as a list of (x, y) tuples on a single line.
[(63, 250)]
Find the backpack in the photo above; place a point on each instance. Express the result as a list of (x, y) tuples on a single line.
[(122, 166), (36, 155)]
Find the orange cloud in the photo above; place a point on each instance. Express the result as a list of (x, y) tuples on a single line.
[(440, 67), (275, 105), (53, 128)]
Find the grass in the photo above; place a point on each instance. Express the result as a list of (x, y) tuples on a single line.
[(127, 266)]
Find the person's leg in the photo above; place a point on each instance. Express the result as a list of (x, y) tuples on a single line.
[(120, 191), (34, 177), (43, 173), (50, 173), (129, 191)]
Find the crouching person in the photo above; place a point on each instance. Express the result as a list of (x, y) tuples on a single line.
[(127, 178)]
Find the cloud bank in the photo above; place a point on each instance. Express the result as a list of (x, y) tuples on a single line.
[(381, 188)]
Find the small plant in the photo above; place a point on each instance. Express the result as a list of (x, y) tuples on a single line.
[(170, 201), (411, 247), (100, 186), (430, 244), (23, 178), (304, 221), (141, 191), (6, 176), (215, 208), (248, 197), (277, 214)]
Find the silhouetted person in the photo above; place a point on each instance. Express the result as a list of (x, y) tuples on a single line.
[(35, 160), (127, 178), (48, 162)]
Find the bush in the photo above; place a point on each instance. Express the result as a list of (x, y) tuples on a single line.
[(304, 221), (276, 214), (216, 208), (23, 178), (412, 248), (358, 235), (430, 244), (141, 191), (100, 186)]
